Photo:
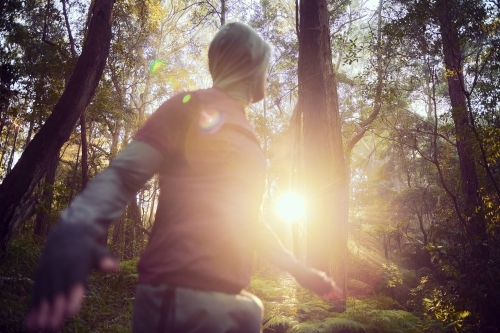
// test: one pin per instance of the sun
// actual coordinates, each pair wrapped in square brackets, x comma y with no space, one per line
[290,207]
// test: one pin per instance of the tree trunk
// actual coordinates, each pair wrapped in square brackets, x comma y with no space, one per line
[73,180]
[43,214]
[19,184]
[325,169]
[13,150]
[117,237]
[30,133]
[473,212]
[85,151]
[222,12]
[476,227]
[132,221]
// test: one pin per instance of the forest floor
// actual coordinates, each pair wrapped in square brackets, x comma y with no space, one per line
[288,308]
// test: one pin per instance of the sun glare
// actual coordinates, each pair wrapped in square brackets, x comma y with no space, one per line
[290,207]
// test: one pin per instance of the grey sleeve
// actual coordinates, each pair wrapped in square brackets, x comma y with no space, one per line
[270,247]
[105,197]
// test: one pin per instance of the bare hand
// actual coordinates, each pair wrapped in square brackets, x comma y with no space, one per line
[51,315]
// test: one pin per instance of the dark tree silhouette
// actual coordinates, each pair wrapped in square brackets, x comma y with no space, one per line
[17,187]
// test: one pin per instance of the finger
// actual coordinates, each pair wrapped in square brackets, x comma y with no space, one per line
[75,300]
[43,314]
[109,264]
[56,317]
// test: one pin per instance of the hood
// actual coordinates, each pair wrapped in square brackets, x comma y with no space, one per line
[238,59]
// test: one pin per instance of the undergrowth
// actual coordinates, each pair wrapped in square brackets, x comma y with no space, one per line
[107,306]
[288,308]
[291,309]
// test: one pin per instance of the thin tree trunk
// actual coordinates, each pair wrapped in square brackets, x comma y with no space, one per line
[131,223]
[4,145]
[17,187]
[73,182]
[42,217]
[153,200]
[13,150]
[85,151]
[222,12]
[117,237]
[30,133]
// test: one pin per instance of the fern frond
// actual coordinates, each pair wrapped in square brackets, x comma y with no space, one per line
[342,325]
[357,285]
[279,323]
[330,325]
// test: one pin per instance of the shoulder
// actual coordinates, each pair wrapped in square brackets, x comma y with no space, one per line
[180,101]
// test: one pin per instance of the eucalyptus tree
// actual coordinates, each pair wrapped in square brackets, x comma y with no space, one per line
[324,162]
[326,153]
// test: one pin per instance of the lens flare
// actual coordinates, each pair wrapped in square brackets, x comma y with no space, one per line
[290,207]
[156,66]
[210,121]
[186,98]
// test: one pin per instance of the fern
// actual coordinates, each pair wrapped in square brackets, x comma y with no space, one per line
[305,328]
[278,323]
[390,321]
[314,309]
[358,285]
[340,325]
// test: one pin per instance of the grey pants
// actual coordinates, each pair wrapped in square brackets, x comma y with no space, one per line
[163,309]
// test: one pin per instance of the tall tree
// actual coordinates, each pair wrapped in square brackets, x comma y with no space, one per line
[17,187]
[325,167]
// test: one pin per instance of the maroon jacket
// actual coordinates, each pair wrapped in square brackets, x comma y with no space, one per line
[207,224]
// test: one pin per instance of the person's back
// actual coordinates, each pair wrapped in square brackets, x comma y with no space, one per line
[207,227]
[210,193]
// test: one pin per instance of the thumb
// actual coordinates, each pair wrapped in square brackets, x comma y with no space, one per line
[109,264]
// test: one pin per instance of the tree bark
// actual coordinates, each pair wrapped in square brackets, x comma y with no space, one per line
[85,150]
[42,216]
[476,226]
[325,167]
[222,12]
[13,150]
[132,221]
[19,184]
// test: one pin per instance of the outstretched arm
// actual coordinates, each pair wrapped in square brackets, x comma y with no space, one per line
[270,247]
[108,193]
[72,249]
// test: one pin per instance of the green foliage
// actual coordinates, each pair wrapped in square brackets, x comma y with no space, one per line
[393,275]
[279,323]
[16,272]
[291,309]
[107,306]
[340,325]
[357,285]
